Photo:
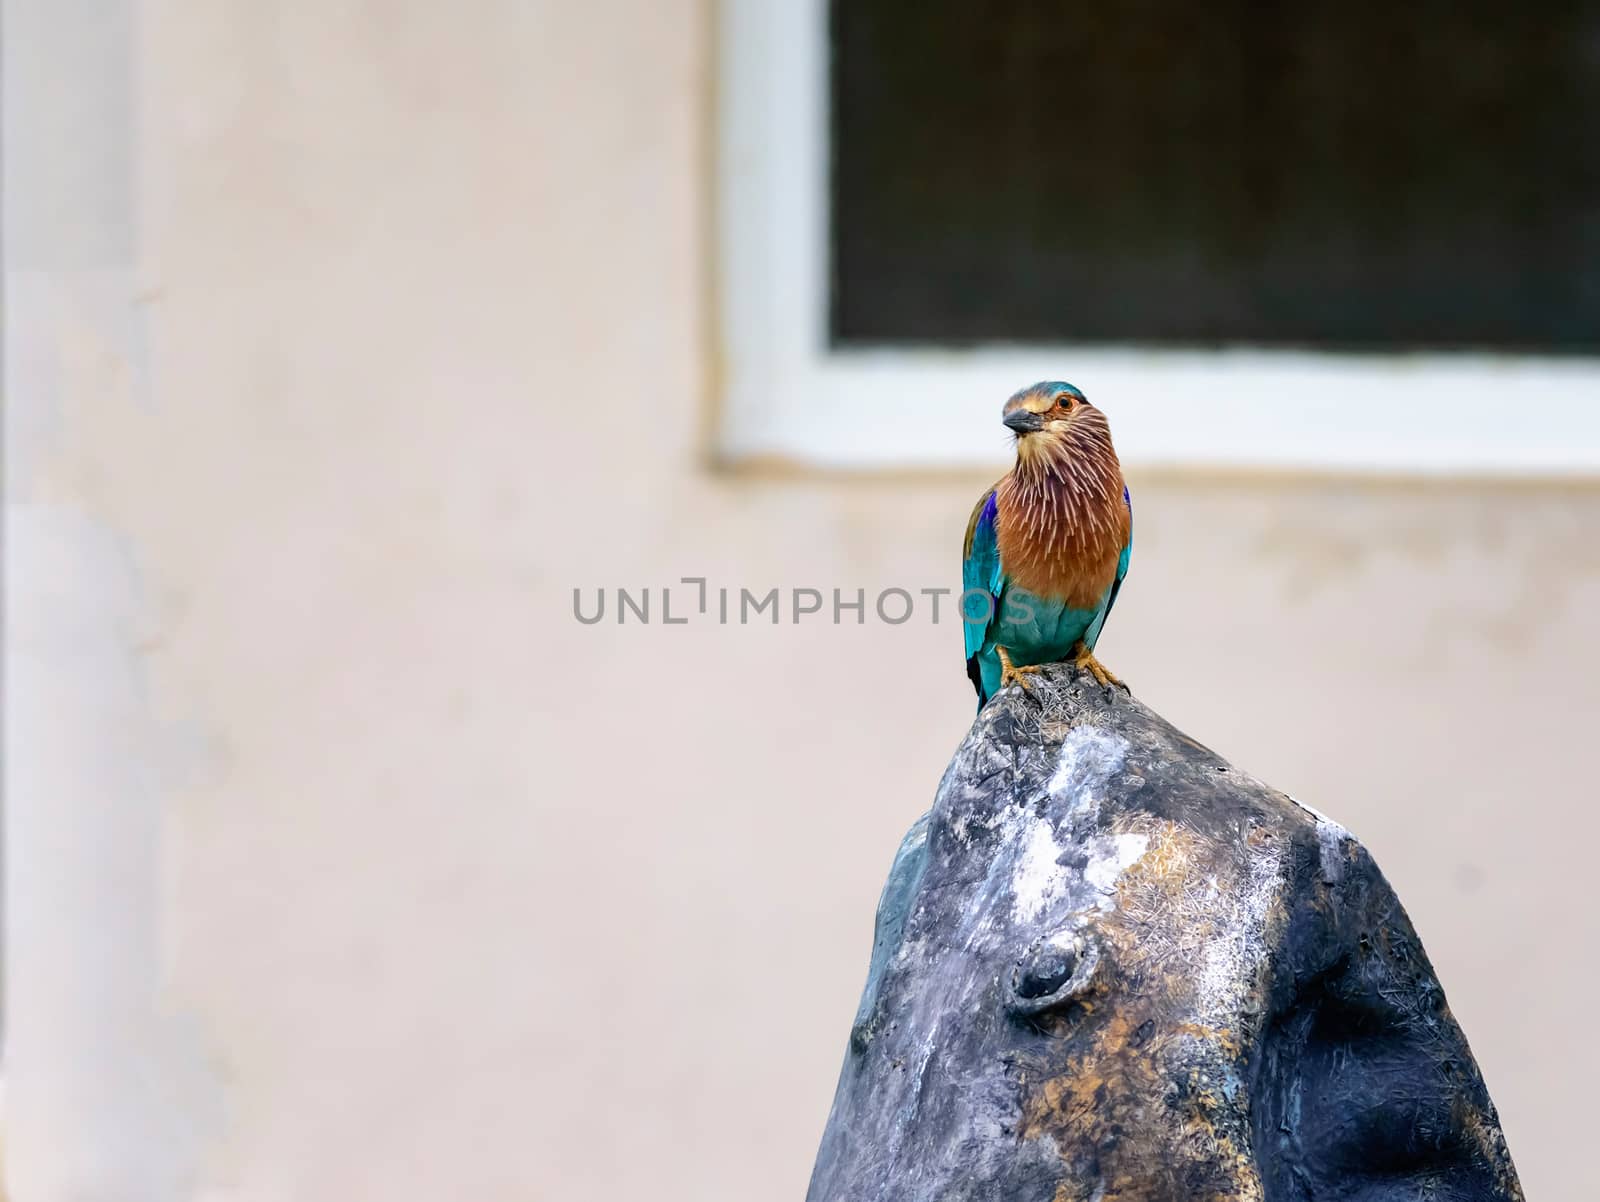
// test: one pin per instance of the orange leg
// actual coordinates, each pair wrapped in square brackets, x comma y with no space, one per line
[1011,673]
[1085,660]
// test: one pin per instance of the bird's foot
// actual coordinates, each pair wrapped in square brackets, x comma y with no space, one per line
[1017,674]
[1086,662]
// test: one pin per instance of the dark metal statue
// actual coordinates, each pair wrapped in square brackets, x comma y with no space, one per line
[1110,967]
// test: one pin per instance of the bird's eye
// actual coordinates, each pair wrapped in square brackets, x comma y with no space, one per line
[1064,401]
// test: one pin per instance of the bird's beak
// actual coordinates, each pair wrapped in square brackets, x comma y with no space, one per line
[1023,421]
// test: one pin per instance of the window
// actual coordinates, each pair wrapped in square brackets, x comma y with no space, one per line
[1343,236]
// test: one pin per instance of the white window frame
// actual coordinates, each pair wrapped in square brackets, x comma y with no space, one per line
[788,395]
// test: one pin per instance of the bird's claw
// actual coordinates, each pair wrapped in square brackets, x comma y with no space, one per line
[1086,662]
[1019,676]
[1016,674]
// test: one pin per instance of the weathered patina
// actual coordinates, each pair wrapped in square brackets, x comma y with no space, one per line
[1110,967]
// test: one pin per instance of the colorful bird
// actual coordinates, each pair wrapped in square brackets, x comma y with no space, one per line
[1048,546]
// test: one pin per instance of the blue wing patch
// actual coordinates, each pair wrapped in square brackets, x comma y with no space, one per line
[980,574]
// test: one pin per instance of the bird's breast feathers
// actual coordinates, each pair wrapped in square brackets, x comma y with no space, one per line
[1061,536]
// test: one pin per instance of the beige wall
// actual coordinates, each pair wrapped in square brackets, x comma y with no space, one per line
[343,863]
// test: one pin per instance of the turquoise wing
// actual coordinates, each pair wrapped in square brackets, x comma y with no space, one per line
[1092,635]
[982,582]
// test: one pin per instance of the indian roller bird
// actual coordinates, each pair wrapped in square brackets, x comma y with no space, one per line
[1048,546]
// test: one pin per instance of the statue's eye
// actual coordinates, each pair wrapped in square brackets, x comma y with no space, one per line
[1046,975]
[1053,974]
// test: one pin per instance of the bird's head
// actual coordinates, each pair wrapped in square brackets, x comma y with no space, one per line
[1051,420]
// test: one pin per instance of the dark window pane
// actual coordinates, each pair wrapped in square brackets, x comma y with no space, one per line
[1348,174]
